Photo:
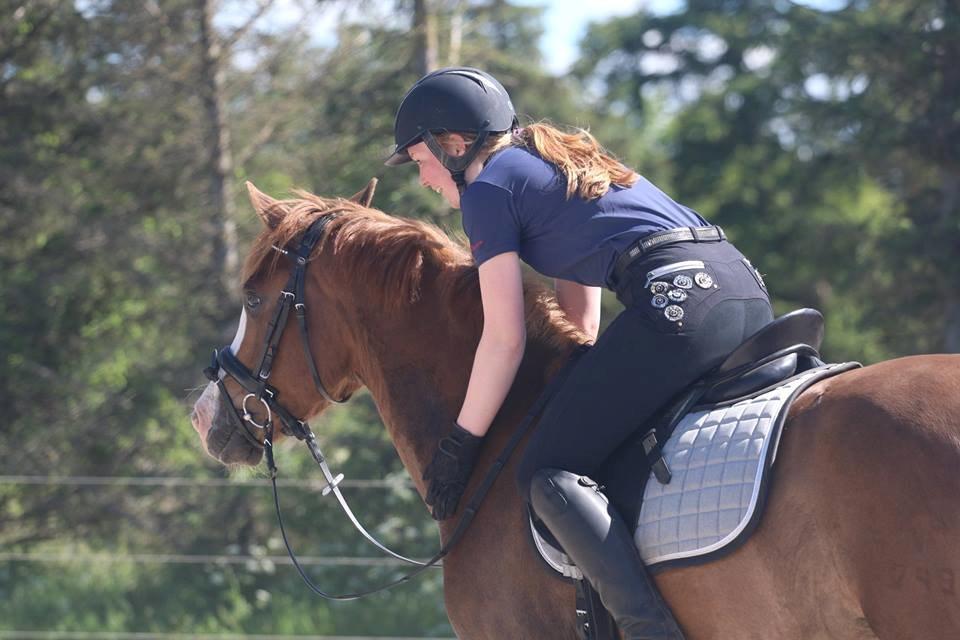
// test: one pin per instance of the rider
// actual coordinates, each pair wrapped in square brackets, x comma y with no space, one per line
[559,202]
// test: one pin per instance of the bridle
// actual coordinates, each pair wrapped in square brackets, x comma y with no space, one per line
[255,384]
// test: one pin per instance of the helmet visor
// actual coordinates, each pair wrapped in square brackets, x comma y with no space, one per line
[400,156]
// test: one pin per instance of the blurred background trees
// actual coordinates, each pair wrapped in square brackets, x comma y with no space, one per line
[823,137]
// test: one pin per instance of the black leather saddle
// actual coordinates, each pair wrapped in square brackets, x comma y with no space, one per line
[787,346]
[770,355]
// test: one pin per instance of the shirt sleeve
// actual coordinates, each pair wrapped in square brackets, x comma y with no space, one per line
[490,220]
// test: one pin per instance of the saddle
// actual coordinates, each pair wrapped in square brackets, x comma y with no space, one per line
[709,450]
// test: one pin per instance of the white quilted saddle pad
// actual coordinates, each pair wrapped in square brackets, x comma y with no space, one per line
[717,458]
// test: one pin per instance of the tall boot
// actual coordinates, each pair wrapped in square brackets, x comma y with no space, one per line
[598,541]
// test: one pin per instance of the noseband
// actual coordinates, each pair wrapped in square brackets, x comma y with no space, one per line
[255,383]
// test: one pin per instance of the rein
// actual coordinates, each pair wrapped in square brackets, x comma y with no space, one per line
[469,511]
[255,384]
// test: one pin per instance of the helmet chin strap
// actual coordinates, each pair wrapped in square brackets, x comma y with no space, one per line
[456,165]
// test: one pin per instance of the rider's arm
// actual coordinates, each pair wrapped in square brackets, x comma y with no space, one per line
[501,344]
[581,304]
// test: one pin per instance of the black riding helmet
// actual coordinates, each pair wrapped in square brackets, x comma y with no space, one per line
[461,99]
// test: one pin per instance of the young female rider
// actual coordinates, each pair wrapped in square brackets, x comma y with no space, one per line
[563,205]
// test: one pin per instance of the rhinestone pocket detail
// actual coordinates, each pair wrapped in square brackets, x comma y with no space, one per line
[677,295]
[673,313]
[659,287]
[703,280]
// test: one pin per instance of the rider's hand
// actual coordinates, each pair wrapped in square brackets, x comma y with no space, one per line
[448,472]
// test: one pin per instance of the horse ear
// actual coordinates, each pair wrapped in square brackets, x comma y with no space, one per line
[365,196]
[269,210]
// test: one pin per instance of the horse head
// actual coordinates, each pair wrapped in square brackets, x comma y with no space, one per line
[391,303]
[328,358]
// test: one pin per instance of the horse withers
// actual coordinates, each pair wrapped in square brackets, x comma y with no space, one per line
[860,534]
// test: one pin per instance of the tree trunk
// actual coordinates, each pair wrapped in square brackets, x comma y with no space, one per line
[456,34]
[950,207]
[220,161]
[425,37]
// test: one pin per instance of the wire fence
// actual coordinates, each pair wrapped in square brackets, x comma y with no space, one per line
[173,558]
[164,481]
[149,635]
[190,559]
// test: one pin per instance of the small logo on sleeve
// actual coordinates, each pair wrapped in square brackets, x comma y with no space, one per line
[476,245]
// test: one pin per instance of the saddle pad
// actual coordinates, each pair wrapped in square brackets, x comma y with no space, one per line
[718,457]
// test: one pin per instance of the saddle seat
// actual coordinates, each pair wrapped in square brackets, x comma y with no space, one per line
[768,356]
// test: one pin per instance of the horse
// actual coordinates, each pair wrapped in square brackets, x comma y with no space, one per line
[861,534]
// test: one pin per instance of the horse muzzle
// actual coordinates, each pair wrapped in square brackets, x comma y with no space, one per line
[224,440]
[217,425]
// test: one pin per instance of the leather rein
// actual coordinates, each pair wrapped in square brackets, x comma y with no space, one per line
[255,384]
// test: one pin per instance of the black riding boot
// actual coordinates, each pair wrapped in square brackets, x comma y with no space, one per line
[600,544]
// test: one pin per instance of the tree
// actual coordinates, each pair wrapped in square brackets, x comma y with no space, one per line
[114,123]
[820,139]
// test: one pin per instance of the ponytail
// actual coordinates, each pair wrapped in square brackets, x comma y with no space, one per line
[588,167]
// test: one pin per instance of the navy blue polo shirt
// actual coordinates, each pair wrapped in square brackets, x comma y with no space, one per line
[518,203]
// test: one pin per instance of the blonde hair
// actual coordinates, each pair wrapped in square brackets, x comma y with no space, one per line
[588,167]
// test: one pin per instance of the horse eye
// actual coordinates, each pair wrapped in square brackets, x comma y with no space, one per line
[251,300]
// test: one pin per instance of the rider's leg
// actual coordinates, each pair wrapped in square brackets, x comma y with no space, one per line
[600,544]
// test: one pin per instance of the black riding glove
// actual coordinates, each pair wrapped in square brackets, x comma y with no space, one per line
[448,472]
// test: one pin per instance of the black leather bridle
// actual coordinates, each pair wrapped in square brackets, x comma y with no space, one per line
[292,296]
[255,384]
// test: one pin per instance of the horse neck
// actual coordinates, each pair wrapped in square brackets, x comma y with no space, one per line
[416,364]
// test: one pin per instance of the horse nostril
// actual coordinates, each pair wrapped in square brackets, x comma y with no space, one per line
[198,425]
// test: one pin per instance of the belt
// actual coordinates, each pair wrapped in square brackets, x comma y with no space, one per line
[669,236]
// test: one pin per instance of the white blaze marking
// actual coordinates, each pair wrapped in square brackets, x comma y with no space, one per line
[206,405]
[238,339]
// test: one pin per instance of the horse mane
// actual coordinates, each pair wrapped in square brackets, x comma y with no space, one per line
[391,255]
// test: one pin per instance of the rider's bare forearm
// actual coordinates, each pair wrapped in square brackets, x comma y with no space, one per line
[494,368]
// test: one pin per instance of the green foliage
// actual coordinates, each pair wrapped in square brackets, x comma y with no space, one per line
[824,142]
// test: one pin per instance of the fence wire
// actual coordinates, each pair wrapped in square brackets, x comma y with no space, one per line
[162,481]
[148,635]
[173,558]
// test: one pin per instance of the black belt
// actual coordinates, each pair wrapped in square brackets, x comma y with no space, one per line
[646,243]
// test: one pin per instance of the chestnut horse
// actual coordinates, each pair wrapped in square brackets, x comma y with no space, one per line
[861,535]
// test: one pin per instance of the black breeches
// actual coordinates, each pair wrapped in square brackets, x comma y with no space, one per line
[647,355]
